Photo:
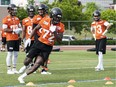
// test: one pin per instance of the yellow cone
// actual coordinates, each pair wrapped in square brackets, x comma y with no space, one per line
[70,86]
[30,84]
[109,82]
[71,81]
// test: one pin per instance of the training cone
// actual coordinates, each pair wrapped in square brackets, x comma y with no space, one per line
[107,78]
[71,81]
[70,86]
[109,82]
[30,84]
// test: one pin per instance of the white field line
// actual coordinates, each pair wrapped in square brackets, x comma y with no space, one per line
[45,84]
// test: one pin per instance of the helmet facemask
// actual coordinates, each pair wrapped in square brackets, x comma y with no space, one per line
[96,18]
[41,12]
[96,15]
[13,11]
[56,19]
[31,13]
[41,9]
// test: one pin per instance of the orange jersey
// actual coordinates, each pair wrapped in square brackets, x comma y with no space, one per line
[12,23]
[28,23]
[46,36]
[37,19]
[99,28]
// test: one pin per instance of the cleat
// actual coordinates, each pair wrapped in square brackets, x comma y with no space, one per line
[45,72]
[99,69]
[34,72]
[15,71]
[10,72]
[21,80]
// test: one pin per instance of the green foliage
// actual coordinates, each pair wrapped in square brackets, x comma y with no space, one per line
[71,12]
[22,13]
[30,2]
[90,8]
[110,15]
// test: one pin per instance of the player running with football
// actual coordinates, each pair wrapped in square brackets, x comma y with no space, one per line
[42,13]
[99,29]
[52,29]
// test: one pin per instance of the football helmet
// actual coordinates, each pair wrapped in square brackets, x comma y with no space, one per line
[41,9]
[12,9]
[46,9]
[96,15]
[31,10]
[56,15]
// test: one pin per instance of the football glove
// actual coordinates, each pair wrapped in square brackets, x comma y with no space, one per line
[28,42]
[94,36]
[52,28]
[17,31]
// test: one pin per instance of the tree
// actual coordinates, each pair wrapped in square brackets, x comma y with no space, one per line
[71,12]
[110,15]
[30,2]
[22,13]
[90,8]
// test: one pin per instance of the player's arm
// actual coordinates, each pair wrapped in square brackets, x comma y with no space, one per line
[28,41]
[34,30]
[23,32]
[6,29]
[108,25]
[58,36]
[93,32]
[34,25]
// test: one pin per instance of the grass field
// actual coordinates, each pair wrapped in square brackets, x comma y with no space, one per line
[67,65]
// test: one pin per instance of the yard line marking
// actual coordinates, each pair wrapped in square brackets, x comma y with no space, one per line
[78,81]
[80,68]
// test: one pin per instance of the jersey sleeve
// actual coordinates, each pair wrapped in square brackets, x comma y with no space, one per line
[4,21]
[62,28]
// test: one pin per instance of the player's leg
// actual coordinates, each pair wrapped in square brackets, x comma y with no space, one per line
[37,63]
[9,57]
[14,61]
[45,68]
[23,68]
[101,50]
[97,52]
[32,54]
[15,56]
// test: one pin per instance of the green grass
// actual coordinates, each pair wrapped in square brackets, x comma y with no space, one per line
[66,65]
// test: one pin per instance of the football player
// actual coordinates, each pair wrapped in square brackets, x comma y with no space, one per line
[99,28]
[12,27]
[27,30]
[42,13]
[52,30]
